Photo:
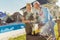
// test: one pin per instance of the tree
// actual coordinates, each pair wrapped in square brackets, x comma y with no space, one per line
[17,16]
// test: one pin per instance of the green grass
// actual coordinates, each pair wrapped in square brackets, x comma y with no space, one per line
[22,37]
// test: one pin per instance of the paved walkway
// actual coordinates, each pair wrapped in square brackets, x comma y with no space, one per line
[30,37]
[15,33]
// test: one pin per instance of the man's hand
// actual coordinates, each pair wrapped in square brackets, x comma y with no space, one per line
[27,21]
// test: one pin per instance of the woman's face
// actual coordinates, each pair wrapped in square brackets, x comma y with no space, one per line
[28,7]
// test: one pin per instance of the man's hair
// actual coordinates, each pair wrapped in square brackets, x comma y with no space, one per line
[36,2]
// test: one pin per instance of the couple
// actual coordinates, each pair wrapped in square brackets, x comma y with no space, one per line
[38,15]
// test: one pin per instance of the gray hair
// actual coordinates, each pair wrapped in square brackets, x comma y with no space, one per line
[36,2]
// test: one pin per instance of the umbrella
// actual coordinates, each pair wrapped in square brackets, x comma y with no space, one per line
[2,14]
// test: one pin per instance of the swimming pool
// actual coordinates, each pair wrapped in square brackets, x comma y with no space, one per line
[11,27]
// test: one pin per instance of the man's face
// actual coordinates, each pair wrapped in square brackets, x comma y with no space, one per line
[36,5]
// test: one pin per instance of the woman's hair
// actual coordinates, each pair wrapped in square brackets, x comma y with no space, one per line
[28,4]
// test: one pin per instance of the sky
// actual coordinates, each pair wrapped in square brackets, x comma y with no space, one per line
[58,3]
[15,5]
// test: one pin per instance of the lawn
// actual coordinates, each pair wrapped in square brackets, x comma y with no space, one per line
[22,37]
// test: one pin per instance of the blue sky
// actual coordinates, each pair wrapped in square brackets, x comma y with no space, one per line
[14,5]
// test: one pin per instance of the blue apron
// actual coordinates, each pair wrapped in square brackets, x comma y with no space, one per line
[46,14]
